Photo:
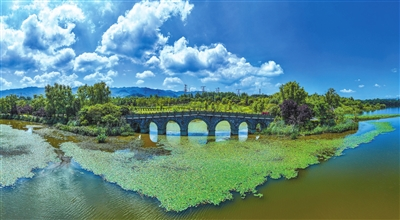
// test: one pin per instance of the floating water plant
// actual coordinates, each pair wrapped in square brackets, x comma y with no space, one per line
[200,174]
[20,153]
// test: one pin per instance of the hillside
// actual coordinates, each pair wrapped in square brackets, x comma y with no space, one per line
[115,92]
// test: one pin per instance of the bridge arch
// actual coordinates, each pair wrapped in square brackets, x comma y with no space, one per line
[223,125]
[191,126]
[170,126]
[145,126]
[244,123]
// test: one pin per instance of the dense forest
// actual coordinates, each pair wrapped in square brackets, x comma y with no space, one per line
[389,103]
[94,106]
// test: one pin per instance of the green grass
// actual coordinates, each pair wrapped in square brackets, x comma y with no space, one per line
[373,117]
[194,174]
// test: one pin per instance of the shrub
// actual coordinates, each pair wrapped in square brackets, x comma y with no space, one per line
[279,128]
[127,133]
[101,138]
[114,132]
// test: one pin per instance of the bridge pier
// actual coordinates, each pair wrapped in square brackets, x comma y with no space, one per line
[251,131]
[162,131]
[211,132]
[144,130]
[184,132]
[251,128]
[234,130]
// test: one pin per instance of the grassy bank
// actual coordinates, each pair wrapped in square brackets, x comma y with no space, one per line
[194,174]
[63,124]
[350,123]
[280,129]
[372,117]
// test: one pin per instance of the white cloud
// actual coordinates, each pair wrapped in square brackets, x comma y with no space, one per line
[172,82]
[4,82]
[278,85]
[39,80]
[105,77]
[27,81]
[212,63]
[63,57]
[42,40]
[51,28]
[19,73]
[153,61]
[139,82]
[377,85]
[145,74]
[358,80]
[70,80]
[270,69]
[106,7]
[361,86]
[253,84]
[88,62]
[137,34]
[394,70]
[347,91]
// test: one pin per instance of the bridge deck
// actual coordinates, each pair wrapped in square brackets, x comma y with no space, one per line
[198,113]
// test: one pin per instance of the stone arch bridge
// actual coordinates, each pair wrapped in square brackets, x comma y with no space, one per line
[141,122]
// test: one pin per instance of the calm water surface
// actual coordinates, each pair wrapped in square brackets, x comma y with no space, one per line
[361,184]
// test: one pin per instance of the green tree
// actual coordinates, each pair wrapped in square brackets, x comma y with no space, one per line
[332,98]
[100,114]
[99,93]
[9,105]
[38,101]
[59,100]
[293,91]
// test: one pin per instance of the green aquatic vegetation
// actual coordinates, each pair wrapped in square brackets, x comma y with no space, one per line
[196,174]
[355,140]
[20,153]
[373,117]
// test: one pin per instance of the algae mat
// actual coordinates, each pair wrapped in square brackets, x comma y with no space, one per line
[21,153]
[201,174]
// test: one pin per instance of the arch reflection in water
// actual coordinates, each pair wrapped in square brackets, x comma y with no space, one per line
[153,132]
[173,133]
[222,131]
[198,132]
[243,131]
[173,129]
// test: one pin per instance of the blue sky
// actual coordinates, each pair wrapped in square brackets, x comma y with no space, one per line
[351,46]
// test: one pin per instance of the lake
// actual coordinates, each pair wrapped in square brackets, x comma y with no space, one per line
[361,184]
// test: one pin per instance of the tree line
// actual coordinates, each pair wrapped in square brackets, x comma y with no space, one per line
[93,105]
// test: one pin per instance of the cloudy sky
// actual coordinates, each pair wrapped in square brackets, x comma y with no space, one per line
[352,47]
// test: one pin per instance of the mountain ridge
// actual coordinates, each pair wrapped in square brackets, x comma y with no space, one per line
[115,92]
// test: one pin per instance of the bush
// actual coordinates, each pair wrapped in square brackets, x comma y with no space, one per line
[127,133]
[101,138]
[279,128]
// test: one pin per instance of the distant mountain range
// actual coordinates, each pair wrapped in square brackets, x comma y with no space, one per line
[115,92]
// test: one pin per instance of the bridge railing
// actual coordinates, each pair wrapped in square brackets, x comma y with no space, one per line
[198,113]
